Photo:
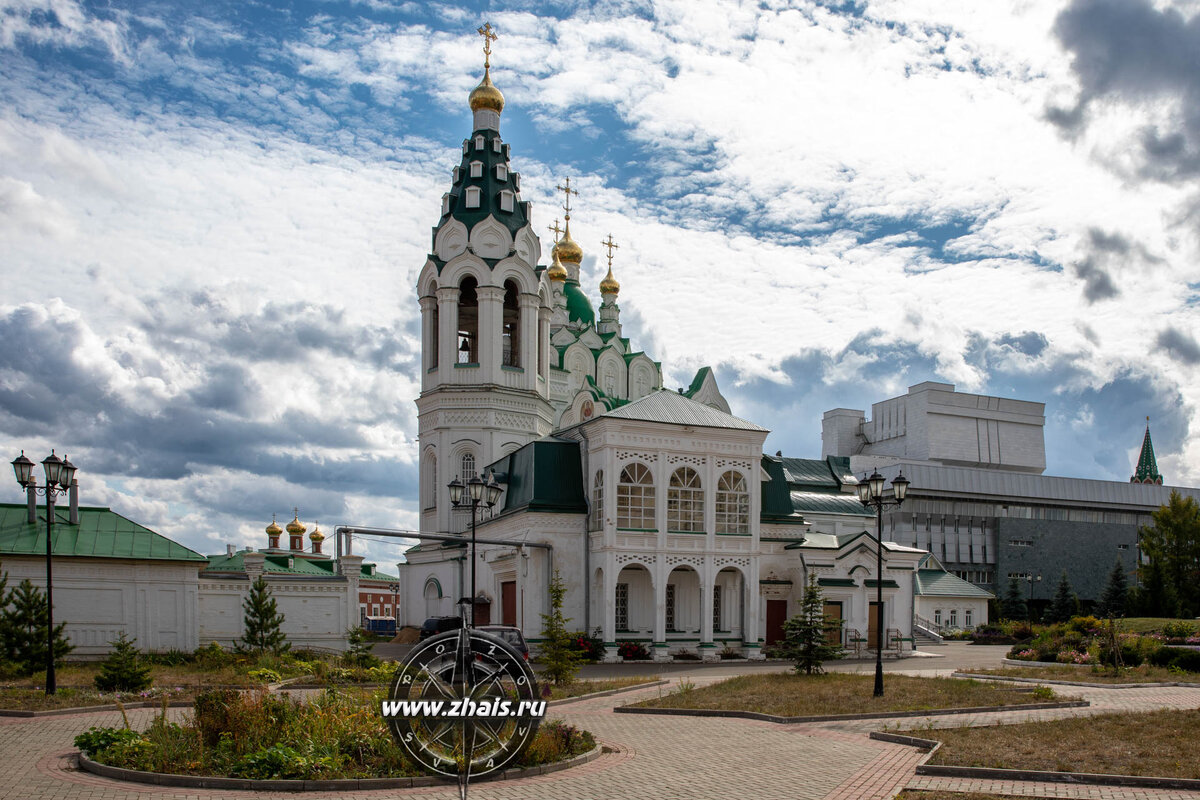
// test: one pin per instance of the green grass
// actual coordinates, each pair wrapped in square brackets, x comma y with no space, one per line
[1158,743]
[792,695]
[1144,624]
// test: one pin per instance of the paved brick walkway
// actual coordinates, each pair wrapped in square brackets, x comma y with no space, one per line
[655,757]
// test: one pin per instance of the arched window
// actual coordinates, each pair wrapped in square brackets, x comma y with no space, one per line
[435,337]
[635,498]
[468,467]
[433,598]
[468,321]
[596,518]
[432,491]
[685,501]
[733,504]
[511,353]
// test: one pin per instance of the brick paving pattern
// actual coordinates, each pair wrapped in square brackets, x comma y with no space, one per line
[654,757]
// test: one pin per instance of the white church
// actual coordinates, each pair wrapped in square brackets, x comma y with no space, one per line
[658,508]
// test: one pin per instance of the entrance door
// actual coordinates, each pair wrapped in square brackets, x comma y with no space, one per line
[508,603]
[873,625]
[483,612]
[833,618]
[776,616]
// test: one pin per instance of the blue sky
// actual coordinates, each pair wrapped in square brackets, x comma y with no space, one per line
[213,216]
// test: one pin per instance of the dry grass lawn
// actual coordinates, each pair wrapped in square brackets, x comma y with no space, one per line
[791,695]
[1159,743]
[29,699]
[1141,674]
[579,688]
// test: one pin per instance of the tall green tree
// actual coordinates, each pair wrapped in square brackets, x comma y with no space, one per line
[1013,605]
[1065,602]
[1173,543]
[558,655]
[1116,593]
[25,623]
[262,621]
[806,635]
[1155,597]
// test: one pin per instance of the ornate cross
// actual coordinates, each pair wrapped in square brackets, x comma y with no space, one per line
[557,230]
[489,36]
[611,245]
[568,191]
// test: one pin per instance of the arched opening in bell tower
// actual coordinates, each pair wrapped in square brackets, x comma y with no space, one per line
[511,327]
[468,321]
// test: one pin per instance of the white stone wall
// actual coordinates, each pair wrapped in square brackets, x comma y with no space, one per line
[954,611]
[316,612]
[99,598]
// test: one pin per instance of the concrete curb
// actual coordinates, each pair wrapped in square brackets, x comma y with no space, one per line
[1096,778]
[936,712]
[1016,679]
[344,784]
[58,712]
[605,693]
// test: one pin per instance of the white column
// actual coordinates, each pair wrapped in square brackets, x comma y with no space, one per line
[530,328]
[491,320]
[447,300]
[543,363]
[659,575]
[428,356]
[609,624]
[708,579]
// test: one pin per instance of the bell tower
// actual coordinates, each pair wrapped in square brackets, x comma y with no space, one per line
[485,317]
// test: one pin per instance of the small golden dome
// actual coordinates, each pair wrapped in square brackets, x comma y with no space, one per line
[568,249]
[273,529]
[296,526]
[486,95]
[557,271]
[609,285]
[316,534]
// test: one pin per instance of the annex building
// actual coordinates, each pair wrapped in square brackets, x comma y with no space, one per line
[658,508]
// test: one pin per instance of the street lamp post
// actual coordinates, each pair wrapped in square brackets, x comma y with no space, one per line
[60,473]
[1029,606]
[395,587]
[476,492]
[870,494]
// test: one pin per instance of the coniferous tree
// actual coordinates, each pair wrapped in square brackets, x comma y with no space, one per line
[1116,593]
[122,670]
[806,640]
[1065,602]
[1013,606]
[24,626]
[6,635]
[262,621]
[557,653]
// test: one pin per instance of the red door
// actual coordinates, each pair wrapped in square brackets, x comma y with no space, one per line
[776,616]
[508,603]
[483,613]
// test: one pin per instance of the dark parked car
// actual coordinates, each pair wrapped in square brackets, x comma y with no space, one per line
[436,625]
[509,634]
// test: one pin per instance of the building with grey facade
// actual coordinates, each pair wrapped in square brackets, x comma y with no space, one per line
[978,499]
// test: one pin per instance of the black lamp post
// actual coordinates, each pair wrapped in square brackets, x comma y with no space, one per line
[60,473]
[870,493]
[395,588]
[477,491]
[1029,576]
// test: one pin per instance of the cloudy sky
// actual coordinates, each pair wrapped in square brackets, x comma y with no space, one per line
[212,216]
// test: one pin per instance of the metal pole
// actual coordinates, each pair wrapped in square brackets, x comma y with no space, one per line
[51,683]
[474,505]
[879,598]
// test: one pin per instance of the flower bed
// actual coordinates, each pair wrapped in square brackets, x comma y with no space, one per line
[1085,641]
[338,734]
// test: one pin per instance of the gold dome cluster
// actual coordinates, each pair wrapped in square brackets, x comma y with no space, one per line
[567,249]
[296,527]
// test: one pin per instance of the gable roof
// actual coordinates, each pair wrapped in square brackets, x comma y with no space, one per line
[939,583]
[678,409]
[101,533]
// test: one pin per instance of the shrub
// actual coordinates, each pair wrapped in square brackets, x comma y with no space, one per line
[97,740]
[1177,657]
[685,655]
[122,670]
[728,652]
[169,658]
[632,651]
[1178,629]
[359,653]
[590,648]
[212,656]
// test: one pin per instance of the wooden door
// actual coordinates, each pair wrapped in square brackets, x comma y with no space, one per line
[833,616]
[873,625]
[776,616]
[483,612]
[508,603]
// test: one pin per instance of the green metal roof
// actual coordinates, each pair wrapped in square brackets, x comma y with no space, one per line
[490,187]
[579,307]
[675,408]
[776,496]
[799,486]
[697,382]
[1147,466]
[285,563]
[939,583]
[544,475]
[101,533]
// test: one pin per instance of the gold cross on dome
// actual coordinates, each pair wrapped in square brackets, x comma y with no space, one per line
[568,191]
[557,230]
[489,36]
[611,245]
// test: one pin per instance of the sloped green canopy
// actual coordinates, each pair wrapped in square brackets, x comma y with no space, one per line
[101,533]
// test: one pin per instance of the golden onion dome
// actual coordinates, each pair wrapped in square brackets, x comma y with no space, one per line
[316,534]
[273,529]
[557,271]
[609,285]
[568,249]
[296,526]
[486,95]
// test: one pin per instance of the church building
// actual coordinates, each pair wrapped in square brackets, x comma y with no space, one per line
[658,508]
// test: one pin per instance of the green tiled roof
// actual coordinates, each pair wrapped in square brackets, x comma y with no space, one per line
[939,583]
[800,486]
[101,533]
[544,475]
[776,496]
[1147,466]
[490,187]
